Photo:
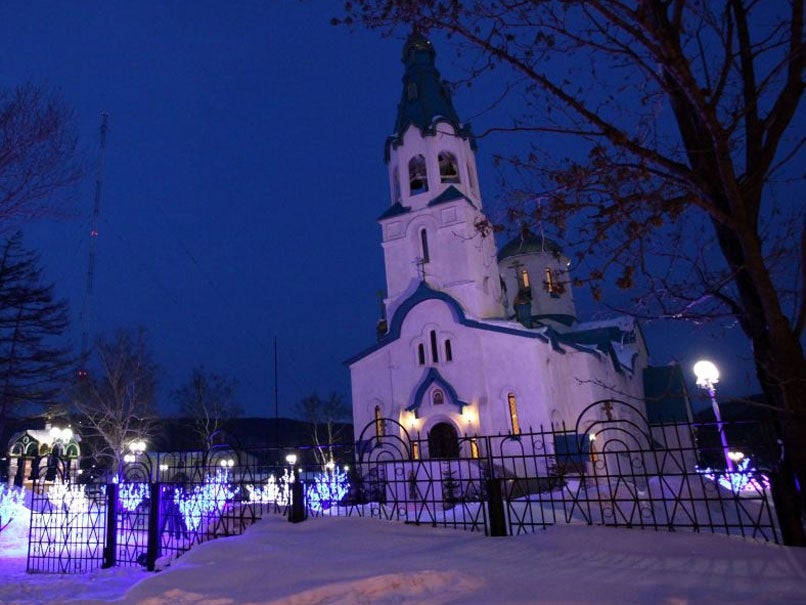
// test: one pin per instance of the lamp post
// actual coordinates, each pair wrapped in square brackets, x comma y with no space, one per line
[59,440]
[707,377]
[291,460]
[296,511]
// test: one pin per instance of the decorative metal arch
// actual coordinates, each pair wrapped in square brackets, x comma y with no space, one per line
[372,447]
[633,427]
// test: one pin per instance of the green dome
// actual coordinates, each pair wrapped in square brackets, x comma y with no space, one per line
[527,243]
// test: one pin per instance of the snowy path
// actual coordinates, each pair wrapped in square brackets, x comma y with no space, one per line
[351,560]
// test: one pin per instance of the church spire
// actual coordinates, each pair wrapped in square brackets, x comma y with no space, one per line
[425,99]
[429,232]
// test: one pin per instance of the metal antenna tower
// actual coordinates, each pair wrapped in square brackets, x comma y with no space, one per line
[96,211]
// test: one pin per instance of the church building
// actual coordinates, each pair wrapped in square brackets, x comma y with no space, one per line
[474,339]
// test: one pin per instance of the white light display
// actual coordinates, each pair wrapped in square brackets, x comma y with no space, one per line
[742,479]
[327,489]
[12,500]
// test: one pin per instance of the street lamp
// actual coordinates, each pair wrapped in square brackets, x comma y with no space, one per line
[135,449]
[707,377]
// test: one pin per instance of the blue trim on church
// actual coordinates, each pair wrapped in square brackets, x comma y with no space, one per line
[425,292]
[451,194]
[433,377]
[602,339]
[396,210]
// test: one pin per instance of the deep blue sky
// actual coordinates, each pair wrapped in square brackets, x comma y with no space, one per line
[244,173]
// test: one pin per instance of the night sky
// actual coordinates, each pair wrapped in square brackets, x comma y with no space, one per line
[243,176]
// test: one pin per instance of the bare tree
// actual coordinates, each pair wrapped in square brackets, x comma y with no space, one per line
[327,418]
[38,153]
[681,113]
[116,401]
[208,399]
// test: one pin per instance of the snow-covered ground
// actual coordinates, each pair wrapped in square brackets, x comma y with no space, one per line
[362,560]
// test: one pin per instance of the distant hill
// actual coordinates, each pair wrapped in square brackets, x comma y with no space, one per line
[752,407]
[176,434]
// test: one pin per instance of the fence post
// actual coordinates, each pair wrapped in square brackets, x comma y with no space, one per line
[495,507]
[154,506]
[296,512]
[110,545]
[785,498]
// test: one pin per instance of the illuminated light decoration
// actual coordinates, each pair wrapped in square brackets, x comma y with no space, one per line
[12,504]
[327,489]
[205,500]
[68,498]
[743,479]
[131,495]
[273,492]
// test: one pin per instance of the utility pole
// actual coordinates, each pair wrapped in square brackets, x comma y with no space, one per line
[276,400]
[96,211]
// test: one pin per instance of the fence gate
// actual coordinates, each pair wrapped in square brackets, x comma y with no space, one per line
[399,482]
[67,522]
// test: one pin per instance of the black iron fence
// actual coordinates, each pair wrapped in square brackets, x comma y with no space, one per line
[612,470]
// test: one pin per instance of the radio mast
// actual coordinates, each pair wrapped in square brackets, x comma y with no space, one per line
[96,211]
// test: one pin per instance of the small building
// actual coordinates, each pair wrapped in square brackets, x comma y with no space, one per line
[51,450]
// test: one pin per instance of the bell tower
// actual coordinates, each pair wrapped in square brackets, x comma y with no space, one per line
[434,229]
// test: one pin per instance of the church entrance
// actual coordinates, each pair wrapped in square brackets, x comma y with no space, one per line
[443,441]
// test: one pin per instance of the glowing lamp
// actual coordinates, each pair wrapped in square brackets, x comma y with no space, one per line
[736,456]
[291,459]
[137,447]
[707,374]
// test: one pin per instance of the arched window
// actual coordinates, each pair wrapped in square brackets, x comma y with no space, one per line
[434,352]
[470,178]
[448,351]
[525,283]
[474,448]
[513,414]
[418,176]
[437,397]
[448,168]
[424,246]
[550,287]
[556,420]
[379,428]
[421,354]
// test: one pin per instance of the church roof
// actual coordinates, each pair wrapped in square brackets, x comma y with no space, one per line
[612,337]
[395,210]
[425,100]
[425,292]
[608,338]
[451,194]
[527,242]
